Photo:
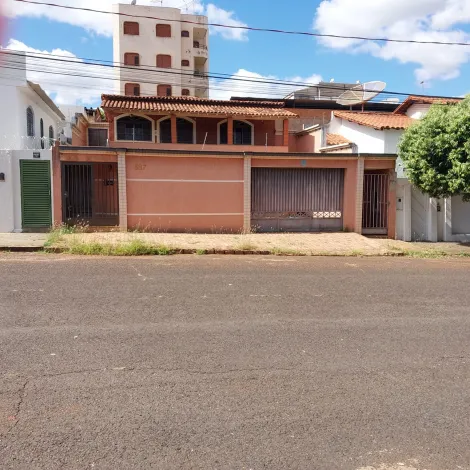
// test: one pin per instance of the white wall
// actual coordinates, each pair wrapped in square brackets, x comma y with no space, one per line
[6,193]
[28,97]
[368,140]
[10,191]
[148,45]
[418,111]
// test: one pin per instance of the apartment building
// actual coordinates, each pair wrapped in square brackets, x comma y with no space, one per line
[162,52]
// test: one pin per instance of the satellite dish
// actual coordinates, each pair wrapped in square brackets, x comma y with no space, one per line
[361,93]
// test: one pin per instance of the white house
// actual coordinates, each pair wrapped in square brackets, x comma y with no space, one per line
[419,217]
[30,123]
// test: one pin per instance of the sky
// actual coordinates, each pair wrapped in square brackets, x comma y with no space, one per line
[406,68]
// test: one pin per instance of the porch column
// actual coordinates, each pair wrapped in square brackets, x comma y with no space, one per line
[174,130]
[56,185]
[285,133]
[359,194]
[230,130]
[111,134]
[247,194]
[122,191]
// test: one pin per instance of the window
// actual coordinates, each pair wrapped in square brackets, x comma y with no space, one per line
[164,90]
[132,89]
[30,122]
[242,133]
[165,131]
[51,136]
[184,131]
[164,61]
[185,63]
[185,34]
[131,27]
[41,130]
[134,128]
[163,30]
[185,92]
[131,58]
[97,137]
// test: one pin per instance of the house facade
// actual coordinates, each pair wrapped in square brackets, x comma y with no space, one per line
[164,57]
[419,217]
[29,131]
[191,164]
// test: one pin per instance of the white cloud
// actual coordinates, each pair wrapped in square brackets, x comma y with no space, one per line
[220,16]
[66,82]
[225,89]
[421,20]
[102,24]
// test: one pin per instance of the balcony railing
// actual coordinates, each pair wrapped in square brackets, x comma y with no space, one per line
[198,45]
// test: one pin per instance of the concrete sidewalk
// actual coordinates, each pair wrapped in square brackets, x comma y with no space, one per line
[276,243]
[327,244]
[22,241]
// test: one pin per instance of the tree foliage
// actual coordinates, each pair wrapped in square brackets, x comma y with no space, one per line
[436,151]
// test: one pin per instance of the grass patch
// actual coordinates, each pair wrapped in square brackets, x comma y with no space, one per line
[57,232]
[286,252]
[132,248]
[200,251]
[246,246]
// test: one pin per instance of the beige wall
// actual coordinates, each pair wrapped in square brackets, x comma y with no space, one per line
[184,194]
[148,45]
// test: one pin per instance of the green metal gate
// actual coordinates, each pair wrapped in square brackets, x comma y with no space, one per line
[35,194]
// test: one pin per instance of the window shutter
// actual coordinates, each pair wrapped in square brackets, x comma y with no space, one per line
[164,90]
[131,27]
[163,30]
[131,58]
[164,61]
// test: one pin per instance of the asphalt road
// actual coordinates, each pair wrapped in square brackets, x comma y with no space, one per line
[234,363]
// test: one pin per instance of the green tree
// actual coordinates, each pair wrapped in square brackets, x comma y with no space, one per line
[436,151]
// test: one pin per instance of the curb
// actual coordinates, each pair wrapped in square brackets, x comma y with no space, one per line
[22,249]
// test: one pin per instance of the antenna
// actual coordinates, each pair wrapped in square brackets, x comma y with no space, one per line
[359,94]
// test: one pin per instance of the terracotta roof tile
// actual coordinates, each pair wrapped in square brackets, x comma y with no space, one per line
[194,106]
[336,139]
[379,121]
[411,100]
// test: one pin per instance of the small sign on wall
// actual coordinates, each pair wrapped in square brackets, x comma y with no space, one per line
[36,154]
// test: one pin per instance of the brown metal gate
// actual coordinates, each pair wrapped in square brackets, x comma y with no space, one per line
[297,199]
[375,204]
[90,193]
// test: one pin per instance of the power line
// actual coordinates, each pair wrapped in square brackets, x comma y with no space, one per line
[250,28]
[257,90]
[214,75]
[137,70]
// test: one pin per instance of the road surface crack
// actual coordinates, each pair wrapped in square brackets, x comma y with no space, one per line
[18,408]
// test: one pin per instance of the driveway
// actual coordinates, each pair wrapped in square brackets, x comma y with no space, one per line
[191,362]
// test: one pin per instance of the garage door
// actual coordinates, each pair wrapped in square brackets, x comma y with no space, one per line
[297,199]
